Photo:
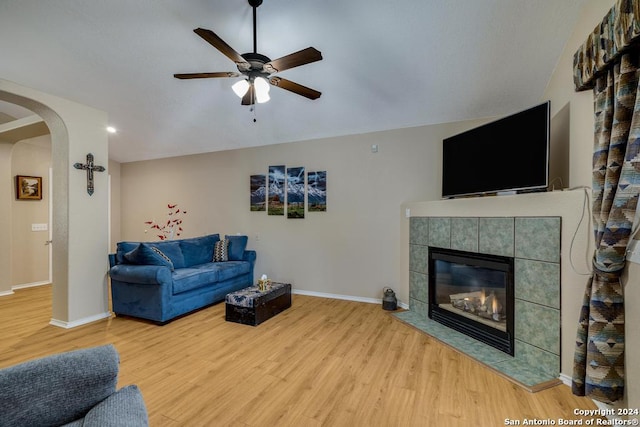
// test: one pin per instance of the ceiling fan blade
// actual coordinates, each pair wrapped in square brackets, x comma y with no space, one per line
[206,75]
[223,47]
[249,97]
[295,87]
[302,57]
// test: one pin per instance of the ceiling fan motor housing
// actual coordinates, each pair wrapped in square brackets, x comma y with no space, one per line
[257,68]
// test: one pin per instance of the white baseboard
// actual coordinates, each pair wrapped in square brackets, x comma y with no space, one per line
[22,286]
[30,285]
[79,322]
[344,297]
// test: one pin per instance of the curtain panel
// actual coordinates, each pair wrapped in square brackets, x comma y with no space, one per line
[609,63]
[618,32]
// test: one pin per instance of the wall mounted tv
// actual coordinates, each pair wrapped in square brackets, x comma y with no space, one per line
[507,155]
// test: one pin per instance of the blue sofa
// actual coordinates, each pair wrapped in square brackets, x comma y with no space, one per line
[160,281]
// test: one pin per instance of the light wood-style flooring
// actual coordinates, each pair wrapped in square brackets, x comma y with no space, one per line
[323,362]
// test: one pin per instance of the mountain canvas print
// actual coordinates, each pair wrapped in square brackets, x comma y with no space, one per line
[295,192]
[276,190]
[258,193]
[317,191]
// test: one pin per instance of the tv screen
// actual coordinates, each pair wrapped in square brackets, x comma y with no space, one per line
[510,154]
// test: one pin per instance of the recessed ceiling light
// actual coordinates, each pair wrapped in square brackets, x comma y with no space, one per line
[111,129]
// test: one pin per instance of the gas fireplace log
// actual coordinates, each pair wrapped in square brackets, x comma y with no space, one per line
[477,303]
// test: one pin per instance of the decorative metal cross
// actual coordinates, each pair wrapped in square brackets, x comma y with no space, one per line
[90,168]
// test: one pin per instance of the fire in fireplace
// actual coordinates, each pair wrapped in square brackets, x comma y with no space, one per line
[473,294]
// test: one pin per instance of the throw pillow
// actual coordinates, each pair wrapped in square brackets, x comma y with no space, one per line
[145,254]
[237,245]
[221,251]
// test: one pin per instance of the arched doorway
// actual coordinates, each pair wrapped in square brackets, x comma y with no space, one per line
[80,220]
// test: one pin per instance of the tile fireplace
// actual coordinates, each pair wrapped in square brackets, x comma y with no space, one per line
[525,251]
[473,294]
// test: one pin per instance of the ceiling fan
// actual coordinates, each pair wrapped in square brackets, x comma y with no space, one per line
[257,68]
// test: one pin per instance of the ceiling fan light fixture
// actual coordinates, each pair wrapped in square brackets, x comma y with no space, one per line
[262,90]
[241,87]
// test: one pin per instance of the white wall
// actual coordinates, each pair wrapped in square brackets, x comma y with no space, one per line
[6,188]
[30,256]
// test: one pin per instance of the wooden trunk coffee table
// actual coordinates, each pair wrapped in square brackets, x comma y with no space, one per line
[251,306]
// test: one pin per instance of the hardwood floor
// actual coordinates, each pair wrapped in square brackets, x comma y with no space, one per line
[323,362]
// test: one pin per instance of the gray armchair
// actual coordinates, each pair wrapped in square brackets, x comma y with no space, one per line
[77,388]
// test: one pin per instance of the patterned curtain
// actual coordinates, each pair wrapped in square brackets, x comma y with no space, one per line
[609,63]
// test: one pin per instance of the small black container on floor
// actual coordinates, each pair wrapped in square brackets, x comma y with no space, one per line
[389,300]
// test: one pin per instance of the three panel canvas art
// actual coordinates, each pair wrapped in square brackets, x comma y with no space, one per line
[285,190]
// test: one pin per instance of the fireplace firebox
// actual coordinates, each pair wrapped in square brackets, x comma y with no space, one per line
[473,294]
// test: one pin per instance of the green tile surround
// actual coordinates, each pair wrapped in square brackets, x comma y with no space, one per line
[534,242]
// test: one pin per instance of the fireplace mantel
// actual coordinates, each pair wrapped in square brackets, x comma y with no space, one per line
[448,217]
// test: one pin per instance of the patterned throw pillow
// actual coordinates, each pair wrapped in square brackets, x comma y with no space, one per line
[145,254]
[221,251]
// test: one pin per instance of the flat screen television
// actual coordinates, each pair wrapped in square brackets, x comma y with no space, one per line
[508,155]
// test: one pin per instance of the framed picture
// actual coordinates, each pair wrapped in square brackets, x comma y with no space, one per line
[28,187]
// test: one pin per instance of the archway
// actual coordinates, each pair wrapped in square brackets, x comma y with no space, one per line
[80,220]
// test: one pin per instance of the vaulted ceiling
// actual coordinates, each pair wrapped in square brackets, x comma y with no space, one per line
[387,65]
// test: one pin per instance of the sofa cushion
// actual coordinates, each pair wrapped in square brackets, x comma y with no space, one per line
[232,269]
[172,250]
[221,251]
[145,254]
[186,279]
[124,407]
[198,250]
[237,246]
[122,249]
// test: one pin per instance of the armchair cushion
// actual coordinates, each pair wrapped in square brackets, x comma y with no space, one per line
[57,389]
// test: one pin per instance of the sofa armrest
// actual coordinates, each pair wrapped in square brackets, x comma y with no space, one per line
[57,389]
[124,407]
[142,274]
[249,256]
